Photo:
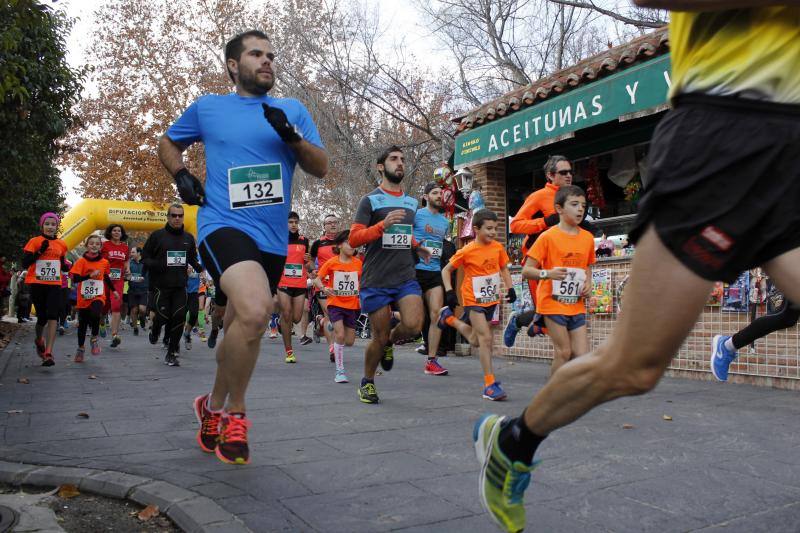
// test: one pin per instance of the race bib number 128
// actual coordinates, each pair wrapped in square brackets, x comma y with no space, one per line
[397,237]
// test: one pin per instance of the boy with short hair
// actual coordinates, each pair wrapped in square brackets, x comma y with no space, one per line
[560,259]
[341,275]
[485,262]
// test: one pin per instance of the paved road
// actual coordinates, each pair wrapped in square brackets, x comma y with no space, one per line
[322,461]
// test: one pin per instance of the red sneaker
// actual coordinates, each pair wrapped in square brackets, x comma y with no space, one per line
[95,346]
[433,368]
[208,434]
[47,359]
[232,443]
[40,347]
[79,355]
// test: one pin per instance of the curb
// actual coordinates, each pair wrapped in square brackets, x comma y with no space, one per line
[189,510]
[5,353]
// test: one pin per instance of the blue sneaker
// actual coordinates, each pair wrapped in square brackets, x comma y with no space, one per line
[501,482]
[103,330]
[444,313]
[510,334]
[721,357]
[494,392]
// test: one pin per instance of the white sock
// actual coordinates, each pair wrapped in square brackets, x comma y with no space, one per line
[729,345]
[338,355]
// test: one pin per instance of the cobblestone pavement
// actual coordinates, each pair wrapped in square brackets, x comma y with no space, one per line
[728,460]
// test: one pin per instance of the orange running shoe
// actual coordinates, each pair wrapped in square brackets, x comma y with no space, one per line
[208,434]
[232,443]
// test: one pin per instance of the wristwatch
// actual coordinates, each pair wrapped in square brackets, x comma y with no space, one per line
[543,274]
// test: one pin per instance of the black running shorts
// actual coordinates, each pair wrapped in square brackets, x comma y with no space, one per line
[724,184]
[226,247]
[429,279]
[293,291]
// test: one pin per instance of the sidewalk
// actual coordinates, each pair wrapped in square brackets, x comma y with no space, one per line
[322,461]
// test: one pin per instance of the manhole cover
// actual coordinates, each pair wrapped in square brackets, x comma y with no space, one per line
[8,518]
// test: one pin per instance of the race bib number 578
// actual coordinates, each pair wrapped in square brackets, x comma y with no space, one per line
[255,185]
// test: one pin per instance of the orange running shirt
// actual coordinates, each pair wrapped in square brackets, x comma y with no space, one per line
[95,288]
[482,264]
[344,279]
[556,248]
[46,270]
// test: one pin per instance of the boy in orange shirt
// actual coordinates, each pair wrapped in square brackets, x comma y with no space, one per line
[485,262]
[92,275]
[560,260]
[342,274]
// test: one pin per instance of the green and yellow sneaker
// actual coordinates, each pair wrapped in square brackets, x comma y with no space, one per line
[387,361]
[502,483]
[368,393]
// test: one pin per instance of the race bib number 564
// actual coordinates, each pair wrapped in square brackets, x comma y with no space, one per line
[486,289]
[255,185]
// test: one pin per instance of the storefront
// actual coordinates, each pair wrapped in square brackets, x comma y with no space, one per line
[601,114]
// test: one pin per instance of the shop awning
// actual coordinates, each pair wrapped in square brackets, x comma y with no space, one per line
[636,91]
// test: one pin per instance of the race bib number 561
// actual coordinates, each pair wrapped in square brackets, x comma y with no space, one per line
[255,185]
[569,289]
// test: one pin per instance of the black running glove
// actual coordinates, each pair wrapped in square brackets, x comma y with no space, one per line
[44,246]
[451,299]
[511,295]
[277,119]
[552,220]
[190,188]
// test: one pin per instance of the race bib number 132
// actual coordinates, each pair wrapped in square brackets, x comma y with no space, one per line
[255,185]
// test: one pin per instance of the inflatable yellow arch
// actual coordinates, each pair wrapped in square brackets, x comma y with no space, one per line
[90,215]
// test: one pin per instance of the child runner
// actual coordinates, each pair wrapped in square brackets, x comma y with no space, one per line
[343,273]
[92,275]
[116,251]
[485,262]
[560,260]
[45,257]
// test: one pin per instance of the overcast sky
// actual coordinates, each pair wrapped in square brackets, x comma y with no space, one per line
[403,17]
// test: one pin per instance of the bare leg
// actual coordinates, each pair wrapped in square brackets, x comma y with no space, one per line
[250,305]
[52,328]
[483,332]
[634,357]
[562,347]
[434,299]
[379,322]
[411,318]
[785,271]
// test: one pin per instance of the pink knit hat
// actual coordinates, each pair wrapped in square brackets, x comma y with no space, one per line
[49,215]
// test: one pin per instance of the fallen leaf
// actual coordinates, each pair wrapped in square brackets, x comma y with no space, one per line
[627,426]
[24,381]
[68,491]
[92,376]
[667,418]
[83,415]
[148,512]
[15,412]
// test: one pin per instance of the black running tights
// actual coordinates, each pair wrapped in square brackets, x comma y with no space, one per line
[785,317]
[170,306]
[89,317]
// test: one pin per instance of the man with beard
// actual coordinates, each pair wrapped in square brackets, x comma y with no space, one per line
[253,142]
[430,228]
[384,221]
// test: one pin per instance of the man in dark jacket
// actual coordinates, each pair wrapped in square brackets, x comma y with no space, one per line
[166,254]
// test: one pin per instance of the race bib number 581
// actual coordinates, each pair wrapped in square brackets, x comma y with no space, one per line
[255,185]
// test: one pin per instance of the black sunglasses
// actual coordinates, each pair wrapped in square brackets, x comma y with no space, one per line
[176,215]
[563,172]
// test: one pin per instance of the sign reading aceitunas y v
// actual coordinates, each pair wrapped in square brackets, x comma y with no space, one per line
[639,88]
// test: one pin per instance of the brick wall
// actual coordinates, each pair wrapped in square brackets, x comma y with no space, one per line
[491,178]
[774,362]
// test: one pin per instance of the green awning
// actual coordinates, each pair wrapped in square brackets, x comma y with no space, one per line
[633,92]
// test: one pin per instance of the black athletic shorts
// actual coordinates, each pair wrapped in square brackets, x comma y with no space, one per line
[293,291]
[226,247]
[137,298]
[47,300]
[724,184]
[428,280]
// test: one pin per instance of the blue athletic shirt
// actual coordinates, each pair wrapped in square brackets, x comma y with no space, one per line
[429,230]
[236,134]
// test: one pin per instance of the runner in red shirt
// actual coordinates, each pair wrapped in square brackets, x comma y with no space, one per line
[292,287]
[321,252]
[118,255]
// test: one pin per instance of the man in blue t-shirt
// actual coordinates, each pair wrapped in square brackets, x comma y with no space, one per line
[430,228]
[252,143]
